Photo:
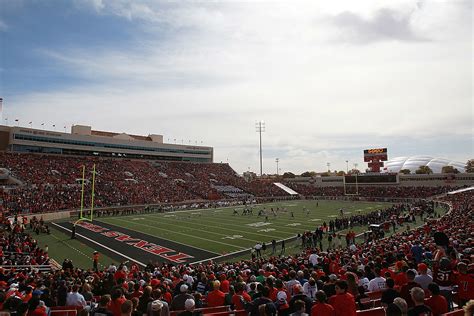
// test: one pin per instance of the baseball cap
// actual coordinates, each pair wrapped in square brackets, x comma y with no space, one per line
[156,305]
[281,296]
[422,267]
[189,303]
[332,277]
[297,289]
[183,288]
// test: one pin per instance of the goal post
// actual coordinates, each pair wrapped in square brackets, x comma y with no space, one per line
[82,216]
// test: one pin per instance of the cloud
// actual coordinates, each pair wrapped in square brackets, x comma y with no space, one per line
[385,24]
[207,71]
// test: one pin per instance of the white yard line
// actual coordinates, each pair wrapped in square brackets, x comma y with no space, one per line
[173,241]
[226,224]
[187,235]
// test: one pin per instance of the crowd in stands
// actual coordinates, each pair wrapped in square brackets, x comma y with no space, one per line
[53,182]
[370,191]
[410,273]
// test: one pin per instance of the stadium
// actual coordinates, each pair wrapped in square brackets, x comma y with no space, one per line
[135,204]
[236,158]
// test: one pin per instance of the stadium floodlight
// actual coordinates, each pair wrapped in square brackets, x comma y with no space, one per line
[347,166]
[329,166]
[277,160]
[260,127]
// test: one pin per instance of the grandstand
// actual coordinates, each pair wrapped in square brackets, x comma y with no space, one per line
[41,177]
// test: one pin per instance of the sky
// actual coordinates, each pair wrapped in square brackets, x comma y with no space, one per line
[328,78]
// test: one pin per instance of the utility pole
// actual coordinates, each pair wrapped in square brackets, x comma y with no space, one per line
[260,127]
[277,160]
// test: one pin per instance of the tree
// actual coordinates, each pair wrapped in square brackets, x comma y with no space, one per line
[288,175]
[354,171]
[424,170]
[341,173]
[449,169]
[405,171]
[325,174]
[470,166]
[308,174]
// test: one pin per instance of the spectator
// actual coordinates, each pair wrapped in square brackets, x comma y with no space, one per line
[179,300]
[102,309]
[74,298]
[389,294]
[418,297]
[300,308]
[343,302]
[423,279]
[215,297]
[436,302]
[321,308]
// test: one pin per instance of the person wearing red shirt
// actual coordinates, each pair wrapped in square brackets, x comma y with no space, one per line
[239,292]
[405,290]
[321,308]
[343,302]
[401,277]
[465,282]
[225,285]
[437,302]
[216,297]
[117,300]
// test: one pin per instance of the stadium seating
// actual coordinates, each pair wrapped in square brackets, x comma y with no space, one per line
[55,180]
[378,311]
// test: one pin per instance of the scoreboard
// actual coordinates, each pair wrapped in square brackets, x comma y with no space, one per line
[375,158]
[379,154]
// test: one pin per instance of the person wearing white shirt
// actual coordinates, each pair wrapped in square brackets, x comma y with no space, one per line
[310,288]
[74,298]
[377,284]
[313,258]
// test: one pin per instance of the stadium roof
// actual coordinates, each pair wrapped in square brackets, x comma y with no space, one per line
[413,163]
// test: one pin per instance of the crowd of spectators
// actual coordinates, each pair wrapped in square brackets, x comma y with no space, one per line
[378,191]
[405,269]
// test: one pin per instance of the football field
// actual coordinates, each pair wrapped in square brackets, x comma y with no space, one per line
[195,235]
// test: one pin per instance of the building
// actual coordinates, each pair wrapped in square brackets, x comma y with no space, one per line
[83,140]
[413,163]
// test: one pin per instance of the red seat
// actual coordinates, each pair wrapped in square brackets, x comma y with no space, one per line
[378,311]
[63,312]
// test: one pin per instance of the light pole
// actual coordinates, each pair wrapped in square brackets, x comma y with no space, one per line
[260,127]
[347,166]
[277,160]
[329,165]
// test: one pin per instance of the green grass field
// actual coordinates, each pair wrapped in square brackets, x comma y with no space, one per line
[219,231]
[215,230]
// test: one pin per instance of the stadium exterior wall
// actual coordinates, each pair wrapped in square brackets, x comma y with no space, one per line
[415,180]
[21,139]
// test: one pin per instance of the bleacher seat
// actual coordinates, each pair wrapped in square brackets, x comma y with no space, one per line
[378,311]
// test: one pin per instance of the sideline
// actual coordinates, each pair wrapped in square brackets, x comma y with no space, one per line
[100,245]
